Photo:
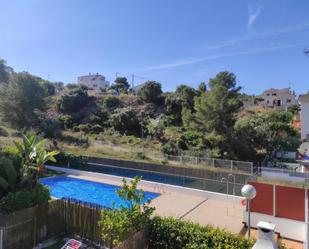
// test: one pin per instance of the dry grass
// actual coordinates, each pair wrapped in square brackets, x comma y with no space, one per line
[285,183]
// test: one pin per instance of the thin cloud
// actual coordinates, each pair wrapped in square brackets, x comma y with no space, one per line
[254,12]
[218,56]
[253,36]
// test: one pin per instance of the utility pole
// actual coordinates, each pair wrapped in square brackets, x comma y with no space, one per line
[142,130]
[132,84]
[116,75]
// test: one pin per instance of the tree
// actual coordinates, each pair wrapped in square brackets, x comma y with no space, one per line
[151,92]
[264,133]
[125,121]
[202,87]
[5,72]
[186,94]
[175,102]
[74,100]
[215,112]
[20,99]
[118,224]
[121,85]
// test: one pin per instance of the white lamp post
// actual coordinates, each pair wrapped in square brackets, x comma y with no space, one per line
[249,192]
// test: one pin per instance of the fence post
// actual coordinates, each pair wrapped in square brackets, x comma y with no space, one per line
[213,162]
[231,165]
[1,238]
[274,201]
[34,232]
[252,169]
[306,244]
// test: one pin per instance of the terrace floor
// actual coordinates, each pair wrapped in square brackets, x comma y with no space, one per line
[225,214]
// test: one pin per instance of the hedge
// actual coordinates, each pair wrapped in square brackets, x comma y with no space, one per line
[171,233]
[26,198]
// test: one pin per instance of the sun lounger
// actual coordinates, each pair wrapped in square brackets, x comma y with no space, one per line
[72,244]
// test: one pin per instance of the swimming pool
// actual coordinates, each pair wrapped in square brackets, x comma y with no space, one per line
[190,182]
[101,194]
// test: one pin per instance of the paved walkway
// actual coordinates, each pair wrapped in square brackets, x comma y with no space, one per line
[220,213]
[198,209]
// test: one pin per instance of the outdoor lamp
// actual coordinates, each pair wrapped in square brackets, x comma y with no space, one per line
[249,192]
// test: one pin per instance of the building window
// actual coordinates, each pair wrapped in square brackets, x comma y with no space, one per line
[288,101]
[274,94]
[267,94]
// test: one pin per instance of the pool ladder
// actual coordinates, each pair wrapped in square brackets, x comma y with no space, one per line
[228,182]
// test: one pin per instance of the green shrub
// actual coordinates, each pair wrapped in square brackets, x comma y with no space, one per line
[170,148]
[118,224]
[50,127]
[111,102]
[64,160]
[66,121]
[74,100]
[25,198]
[132,140]
[167,233]
[96,129]
[84,127]
[125,121]
[151,92]
[4,132]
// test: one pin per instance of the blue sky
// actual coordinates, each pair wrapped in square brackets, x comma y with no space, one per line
[171,41]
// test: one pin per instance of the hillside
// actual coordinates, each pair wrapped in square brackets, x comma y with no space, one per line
[209,121]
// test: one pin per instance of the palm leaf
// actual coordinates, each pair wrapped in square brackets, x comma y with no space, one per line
[4,184]
[11,174]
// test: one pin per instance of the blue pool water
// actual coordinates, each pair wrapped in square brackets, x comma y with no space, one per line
[208,185]
[64,187]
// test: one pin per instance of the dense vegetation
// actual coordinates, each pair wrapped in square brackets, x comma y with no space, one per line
[20,169]
[208,121]
[166,233]
[118,224]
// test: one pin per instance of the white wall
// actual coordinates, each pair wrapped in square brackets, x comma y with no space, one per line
[304,117]
[94,81]
[291,229]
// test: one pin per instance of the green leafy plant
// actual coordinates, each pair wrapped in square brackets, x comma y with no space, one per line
[24,198]
[114,225]
[166,233]
[118,224]
[33,153]
[8,175]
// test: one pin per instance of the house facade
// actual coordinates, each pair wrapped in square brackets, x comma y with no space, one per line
[93,81]
[278,98]
[304,116]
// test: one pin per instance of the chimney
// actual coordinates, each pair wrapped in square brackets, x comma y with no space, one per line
[266,236]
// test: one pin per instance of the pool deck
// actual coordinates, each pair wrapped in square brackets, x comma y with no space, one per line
[195,208]
[224,213]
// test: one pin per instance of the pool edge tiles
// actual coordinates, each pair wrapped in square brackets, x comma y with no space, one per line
[92,192]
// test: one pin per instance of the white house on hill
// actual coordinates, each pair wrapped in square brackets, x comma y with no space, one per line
[93,81]
[304,116]
[278,98]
